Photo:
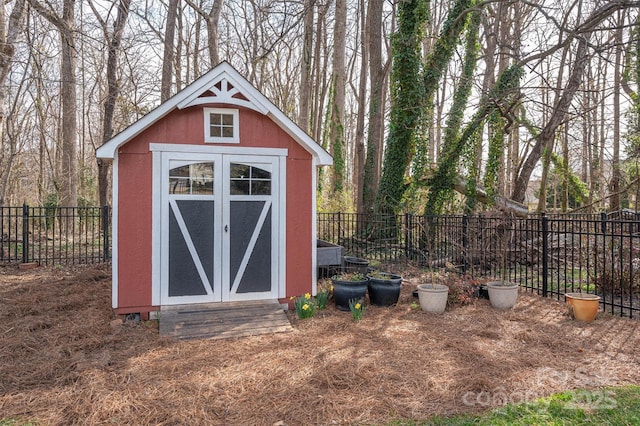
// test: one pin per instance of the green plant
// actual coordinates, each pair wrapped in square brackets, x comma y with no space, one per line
[305,307]
[349,276]
[357,308]
[322,298]
[414,305]
[379,275]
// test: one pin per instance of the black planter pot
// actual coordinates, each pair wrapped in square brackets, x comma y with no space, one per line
[343,291]
[483,292]
[384,289]
[356,264]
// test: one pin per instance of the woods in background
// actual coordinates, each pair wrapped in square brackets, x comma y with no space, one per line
[429,107]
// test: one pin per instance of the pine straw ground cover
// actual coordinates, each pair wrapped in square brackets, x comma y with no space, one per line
[64,360]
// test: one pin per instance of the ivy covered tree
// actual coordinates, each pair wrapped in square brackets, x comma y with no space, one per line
[406,102]
[450,150]
[503,97]
[412,90]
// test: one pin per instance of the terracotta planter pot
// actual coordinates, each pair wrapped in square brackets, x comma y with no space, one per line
[583,306]
[433,297]
[502,295]
[384,289]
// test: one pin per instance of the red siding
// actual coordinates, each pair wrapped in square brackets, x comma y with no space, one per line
[299,223]
[135,199]
[134,230]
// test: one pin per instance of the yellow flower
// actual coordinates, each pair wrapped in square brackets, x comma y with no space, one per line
[305,306]
[307,296]
[358,306]
[292,297]
[331,288]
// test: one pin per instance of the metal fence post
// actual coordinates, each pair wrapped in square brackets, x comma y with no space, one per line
[339,239]
[465,243]
[603,272]
[407,243]
[105,232]
[25,233]
[545,254]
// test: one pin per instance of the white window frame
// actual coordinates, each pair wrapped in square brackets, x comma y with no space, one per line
[221,139]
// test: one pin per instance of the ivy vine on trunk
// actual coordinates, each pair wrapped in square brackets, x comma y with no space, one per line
[406,102]
[411,91]
[501,98]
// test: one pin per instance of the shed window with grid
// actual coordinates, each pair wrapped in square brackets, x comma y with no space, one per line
[221,125]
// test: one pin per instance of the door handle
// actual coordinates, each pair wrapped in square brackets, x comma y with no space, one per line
[226,228]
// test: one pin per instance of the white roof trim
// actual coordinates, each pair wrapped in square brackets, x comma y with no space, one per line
[224,95]
[231,83]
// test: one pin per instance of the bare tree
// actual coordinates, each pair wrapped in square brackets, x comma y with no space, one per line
[169,51]
[114,40]
[65,24]
[305,74]
[544,140]
[359,149]
[614,187]
[212,18]
[9,32]
[378,71]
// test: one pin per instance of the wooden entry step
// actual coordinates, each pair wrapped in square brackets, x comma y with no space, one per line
[223,320]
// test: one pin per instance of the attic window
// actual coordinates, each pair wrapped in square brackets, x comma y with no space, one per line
[221,125]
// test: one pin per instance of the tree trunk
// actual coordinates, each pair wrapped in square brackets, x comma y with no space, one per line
[305,74]
[69,194]
[614,187]
[212,32]
[448,157]
[212,19]
[406,104]
[360,151]
[113,88]
[177,58]
[546,137]
[378,73]
[8,35]
[69,135]
[336,102]
[169,51]
[411,92]
[318,78]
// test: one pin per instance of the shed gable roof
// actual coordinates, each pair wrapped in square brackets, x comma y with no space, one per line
[222,84]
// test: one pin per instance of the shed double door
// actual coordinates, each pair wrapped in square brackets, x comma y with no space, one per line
[220,228]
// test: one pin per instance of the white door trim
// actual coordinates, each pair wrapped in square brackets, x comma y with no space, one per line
[161,155]
[212,149]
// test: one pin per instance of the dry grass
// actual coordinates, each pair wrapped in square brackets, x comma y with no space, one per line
[64,361]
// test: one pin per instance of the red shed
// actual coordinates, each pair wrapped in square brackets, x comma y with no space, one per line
[214,196]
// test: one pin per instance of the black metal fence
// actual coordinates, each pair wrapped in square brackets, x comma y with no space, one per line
[55,235]
[548,255]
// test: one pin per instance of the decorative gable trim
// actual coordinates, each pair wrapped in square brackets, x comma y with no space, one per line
[223,84]
[223,92]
